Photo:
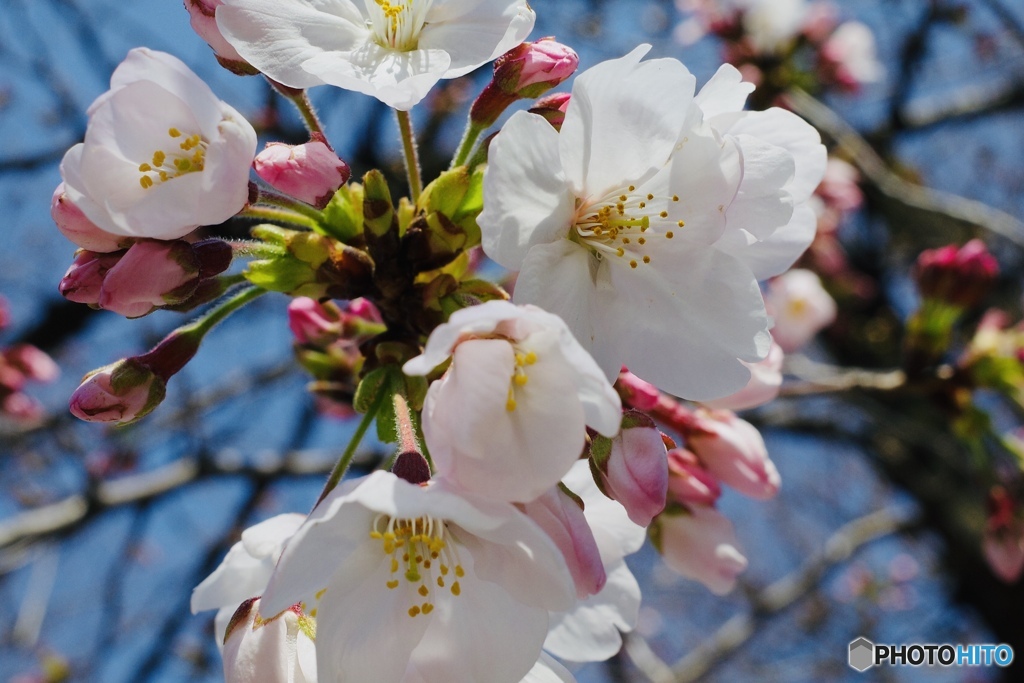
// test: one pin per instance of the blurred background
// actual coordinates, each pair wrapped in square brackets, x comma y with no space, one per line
[887,496]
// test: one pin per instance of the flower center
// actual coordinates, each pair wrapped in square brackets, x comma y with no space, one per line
[422,553]
[396,24]
[519,377]
[622,224]
[189,157]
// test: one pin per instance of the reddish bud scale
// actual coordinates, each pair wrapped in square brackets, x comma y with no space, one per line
[958,276]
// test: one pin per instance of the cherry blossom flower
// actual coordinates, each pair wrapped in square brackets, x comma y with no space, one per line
[394,50]
[414,582]
[245,570]
[850,50]
[508,418]
[613,223]
[162,155]
[800,307]
[278,649]
[783,162]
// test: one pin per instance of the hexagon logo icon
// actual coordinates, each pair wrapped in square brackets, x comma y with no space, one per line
[862,654]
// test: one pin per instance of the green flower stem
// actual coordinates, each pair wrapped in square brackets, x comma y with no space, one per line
[412,161]
[211,318]
[469,138]
[285,202]
[255,249]
[281,216]
[346,458]
[300,99]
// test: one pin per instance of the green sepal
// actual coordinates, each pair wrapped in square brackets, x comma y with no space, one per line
[447,193]
[343,217]
[272,234]
[575,498]
[285,274]
[378,209]
[374,393]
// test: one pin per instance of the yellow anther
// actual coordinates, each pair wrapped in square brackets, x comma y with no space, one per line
[444,570]
[632,264]
[424,591]
[642,240]
[320,593]
[681,224]
[427,608]
[643,204]
[376,534]
[414,611]
[145,168]
[312,612]
[456,588]
[647,259]
[632,187]
[650,197]
[669,234]
[623,197]
[510,405]
[620,251]
[459,571]
[174,133]
[663,214]
[625,240]
[394,565]
[675,198]
[164,176]
[393,584]
[159,157]
[521,380]
[440,582]
[146,182]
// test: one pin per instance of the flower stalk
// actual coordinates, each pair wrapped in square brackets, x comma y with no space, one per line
[411,156]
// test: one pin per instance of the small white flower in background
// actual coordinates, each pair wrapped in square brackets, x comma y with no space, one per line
[394,50]
[508,418]
[245,571]
[700,543]
[613,224]
[800,307]
[162,155]
[277,649]
[592,630]
[851,48]
[415,583]
[783,162]
[772,24]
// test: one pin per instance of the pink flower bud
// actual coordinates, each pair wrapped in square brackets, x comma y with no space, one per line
[122,392]
[83,281]
[278,649]
[700,544]
[733,451]
[364,308]
[552,107]
[312,322]
[633,467]
[76,227]
[309,172]
[961,277]
[204,22]
[688,482]
[800,307]
[544,62]
[32,362]
[21,407]
[526,71]
[561,517]
[151,273]
[763,386]
[1004,553]
[641,395]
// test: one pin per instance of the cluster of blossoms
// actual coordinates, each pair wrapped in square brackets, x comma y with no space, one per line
[19,365]
[786,42]
[640,229]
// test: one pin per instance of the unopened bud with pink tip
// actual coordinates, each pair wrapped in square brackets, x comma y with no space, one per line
[733,451]
[31,362]
[956,276]
[311,172]
[203,15]
[524,72]
[74,225]
[632,467]
[552,107]
[131,388]
[689,482]
[699,543]
[638,393]
[312,322]
[149,275]
[559,513]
